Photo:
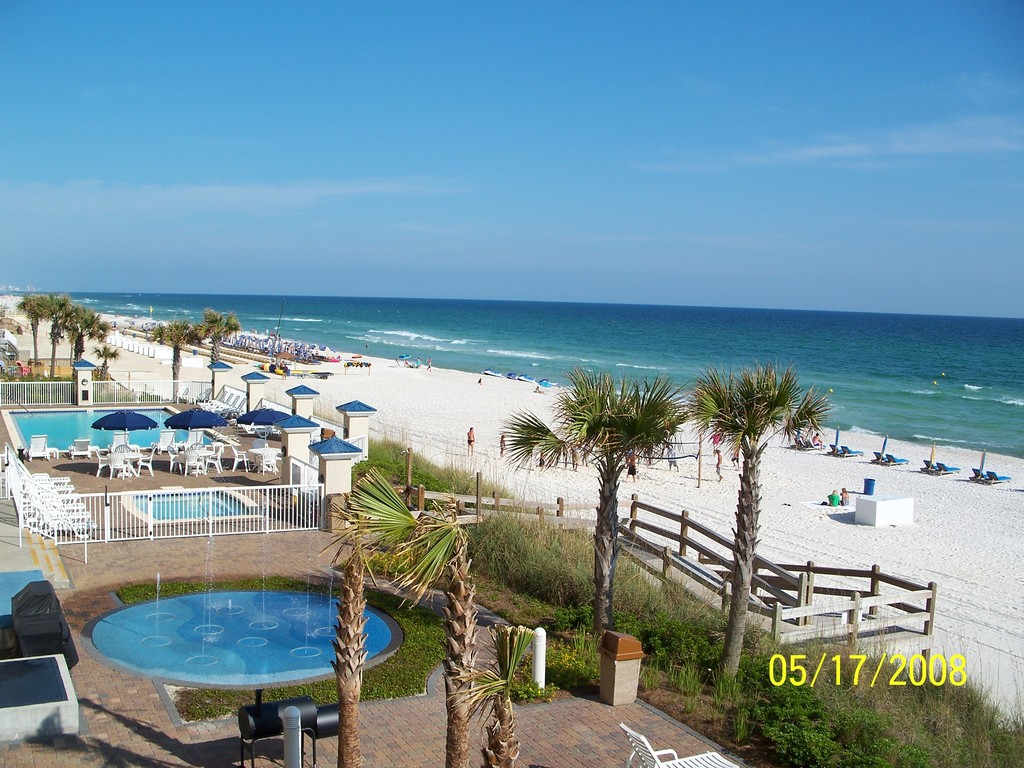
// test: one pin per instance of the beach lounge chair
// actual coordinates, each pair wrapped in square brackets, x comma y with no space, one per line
[993,478]
[835,450]
[81,448]
[892,460]
[647,757]
[847,452]
[942,469]
[38,449]
[879,458]
[929,468]
[166,442]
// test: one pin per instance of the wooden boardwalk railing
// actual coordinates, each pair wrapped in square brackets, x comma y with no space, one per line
[796,598]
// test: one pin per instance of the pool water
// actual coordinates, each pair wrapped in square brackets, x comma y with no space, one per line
[193,506]
[62,428]
[237,638]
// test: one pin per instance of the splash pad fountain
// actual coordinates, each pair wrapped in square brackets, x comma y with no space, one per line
[232,638]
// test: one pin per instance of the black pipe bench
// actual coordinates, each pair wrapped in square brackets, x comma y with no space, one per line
[265,719]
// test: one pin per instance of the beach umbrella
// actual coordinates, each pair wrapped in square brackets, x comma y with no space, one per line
[884,444]
[404,357]
[932,459]
[981,469]
[262,417]
[197,418]
[836,443]
[123,421]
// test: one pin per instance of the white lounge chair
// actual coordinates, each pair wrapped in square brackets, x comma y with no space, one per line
[38,449]
[81,448]
[649,758]
[166,442]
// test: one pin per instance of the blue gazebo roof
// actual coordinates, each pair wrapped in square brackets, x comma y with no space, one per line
[334,446]
[255,376]
[295,422]
[356,406]
[220,365]
[84,365]
[301,391]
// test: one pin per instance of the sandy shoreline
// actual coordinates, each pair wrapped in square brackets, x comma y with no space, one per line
[967,537]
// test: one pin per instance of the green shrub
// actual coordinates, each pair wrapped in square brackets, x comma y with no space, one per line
[573,665]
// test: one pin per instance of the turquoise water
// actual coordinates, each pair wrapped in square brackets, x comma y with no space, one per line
[956,380]
[229,638]
[193,506]
[62,428]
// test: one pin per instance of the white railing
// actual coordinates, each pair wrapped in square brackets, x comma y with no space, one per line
[162,514]
[302,473]
[128,515]
[37,393]
[115,392]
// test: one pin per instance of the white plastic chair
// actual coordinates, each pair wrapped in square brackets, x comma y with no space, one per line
[38,449]
[649,758]
[120,463]
[239,458]
[166,441]
[213,459]
[268,460]
[146,462]
[194,461]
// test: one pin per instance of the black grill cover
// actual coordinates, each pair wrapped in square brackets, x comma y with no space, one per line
[39,623]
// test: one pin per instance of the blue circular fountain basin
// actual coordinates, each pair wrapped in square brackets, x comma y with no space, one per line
[231,638]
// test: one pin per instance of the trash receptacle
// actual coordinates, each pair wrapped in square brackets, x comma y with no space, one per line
[620,668]
[869,486]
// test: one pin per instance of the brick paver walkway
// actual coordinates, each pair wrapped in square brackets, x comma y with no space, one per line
[127,721]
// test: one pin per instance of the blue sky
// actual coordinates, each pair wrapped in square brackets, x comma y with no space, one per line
[853,156]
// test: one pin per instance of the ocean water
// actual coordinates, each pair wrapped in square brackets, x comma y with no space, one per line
[957,381]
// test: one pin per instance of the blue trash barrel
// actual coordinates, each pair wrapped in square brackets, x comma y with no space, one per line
[869,486]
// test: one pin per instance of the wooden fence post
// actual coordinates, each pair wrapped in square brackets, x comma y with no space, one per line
[497,501]
[421,498]
[777,622]
[684,527]
[540,513]
[801,595]
[408,476]
[855,616]
[561,507]
[875,570]
[479,497]
[632,514]
[929,626]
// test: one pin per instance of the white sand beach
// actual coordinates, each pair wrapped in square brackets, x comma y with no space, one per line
[966,537]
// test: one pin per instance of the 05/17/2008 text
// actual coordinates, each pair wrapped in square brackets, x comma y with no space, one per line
[853,669]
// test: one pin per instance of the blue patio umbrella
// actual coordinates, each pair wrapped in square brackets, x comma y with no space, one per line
[262,417]
[123,421]
[197,418]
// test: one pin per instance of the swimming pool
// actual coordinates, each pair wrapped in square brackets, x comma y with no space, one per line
[237,638]
[194,506]
[62,428]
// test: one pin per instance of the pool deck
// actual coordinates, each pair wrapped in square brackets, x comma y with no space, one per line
[126,720]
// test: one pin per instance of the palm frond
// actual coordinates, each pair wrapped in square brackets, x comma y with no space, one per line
[379,511]
[436,542]
[511,644]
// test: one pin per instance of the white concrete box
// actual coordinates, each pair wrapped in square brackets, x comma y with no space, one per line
[37,698]
[881,511]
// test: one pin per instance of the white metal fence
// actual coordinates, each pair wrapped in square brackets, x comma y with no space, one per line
[115,392]
[37,393]
[163,514]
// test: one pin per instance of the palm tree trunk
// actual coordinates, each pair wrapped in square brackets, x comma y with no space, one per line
[748,509]
[35,340]
[502,750]
[606,549]
[349,657]
[460,658]
[53,354]
[215,348]
[175,371]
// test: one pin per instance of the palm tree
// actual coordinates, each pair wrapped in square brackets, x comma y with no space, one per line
[105,354]
[431,549]
[216,326]
[609,423]
[58,308]
[84,324]
[494,687]
[177,335]
[350,640]
[748,410]
[33,307]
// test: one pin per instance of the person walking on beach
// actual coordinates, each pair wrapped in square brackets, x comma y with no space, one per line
[736,457]
[673,463]
[429,366]
[470,439]
[501,446]
[718,463]
[631,467]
